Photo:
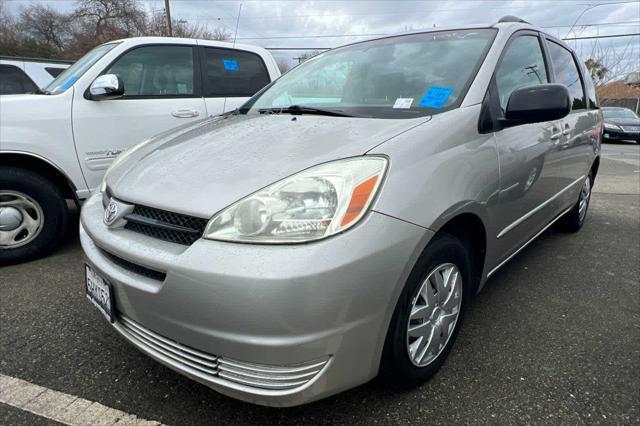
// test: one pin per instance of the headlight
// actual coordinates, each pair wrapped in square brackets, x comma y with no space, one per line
[310,205]
[611,126]
[119,159]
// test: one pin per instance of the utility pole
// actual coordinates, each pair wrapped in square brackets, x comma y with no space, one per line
[167,15]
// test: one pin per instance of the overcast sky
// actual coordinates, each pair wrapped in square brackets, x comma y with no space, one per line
[332,23]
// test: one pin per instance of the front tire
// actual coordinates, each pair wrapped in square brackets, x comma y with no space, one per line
[33,215]
[428,314]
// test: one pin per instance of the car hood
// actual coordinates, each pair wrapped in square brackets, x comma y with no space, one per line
[201,169]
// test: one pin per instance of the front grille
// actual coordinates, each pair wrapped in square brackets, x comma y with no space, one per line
[134,267]
[631,128]
[220,369]
[168,226]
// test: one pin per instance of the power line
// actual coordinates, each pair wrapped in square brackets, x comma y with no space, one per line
[596,24]
[603,36]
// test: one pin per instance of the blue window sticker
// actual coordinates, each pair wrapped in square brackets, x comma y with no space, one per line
[436,97]
[230,64]
[69,82]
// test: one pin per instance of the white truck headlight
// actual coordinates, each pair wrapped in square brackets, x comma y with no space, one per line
[310,205]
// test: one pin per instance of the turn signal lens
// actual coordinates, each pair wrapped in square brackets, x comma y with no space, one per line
[359,200]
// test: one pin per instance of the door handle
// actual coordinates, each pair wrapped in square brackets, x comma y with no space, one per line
[185,113]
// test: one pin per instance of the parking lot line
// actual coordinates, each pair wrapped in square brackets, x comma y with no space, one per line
[62,407]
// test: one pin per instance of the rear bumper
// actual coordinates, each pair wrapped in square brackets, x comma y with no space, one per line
[273,325]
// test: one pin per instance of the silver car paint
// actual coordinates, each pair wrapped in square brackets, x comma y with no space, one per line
[290,304]
[270,305]
[243,154]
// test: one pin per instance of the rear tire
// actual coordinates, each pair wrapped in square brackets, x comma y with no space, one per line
[401,362]
[575,218]
[33,215]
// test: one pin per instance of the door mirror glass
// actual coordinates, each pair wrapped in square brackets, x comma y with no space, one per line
[107,86]
[538,103]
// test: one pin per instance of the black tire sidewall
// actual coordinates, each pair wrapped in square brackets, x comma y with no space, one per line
[571,222]
[54,211]
[396,365]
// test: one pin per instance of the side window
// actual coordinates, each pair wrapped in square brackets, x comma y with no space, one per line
[589,87]
[521,65]
[54,71]
[232,73]
[566,72]
[14,81]
[156,71]
[326,85]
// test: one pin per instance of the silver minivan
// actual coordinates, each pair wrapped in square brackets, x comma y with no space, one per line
[336,226]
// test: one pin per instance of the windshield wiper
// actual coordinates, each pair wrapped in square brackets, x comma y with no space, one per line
[301,109]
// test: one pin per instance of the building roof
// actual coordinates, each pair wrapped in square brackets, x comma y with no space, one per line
[618,90]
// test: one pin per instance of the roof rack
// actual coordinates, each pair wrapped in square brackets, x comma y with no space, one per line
[511,18]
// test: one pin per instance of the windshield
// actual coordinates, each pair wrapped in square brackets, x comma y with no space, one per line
[396,77]
[619,113]
[75,71]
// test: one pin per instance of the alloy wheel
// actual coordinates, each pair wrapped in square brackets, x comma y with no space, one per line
[434,312]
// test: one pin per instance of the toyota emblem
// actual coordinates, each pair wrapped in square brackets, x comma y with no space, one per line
[110,213]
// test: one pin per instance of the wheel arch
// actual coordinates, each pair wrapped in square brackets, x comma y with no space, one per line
[43,167]
[594,168]
[470,229]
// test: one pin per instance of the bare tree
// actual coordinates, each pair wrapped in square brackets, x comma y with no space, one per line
[158,27]
[46,25]
[9,34]
[221,34]
[45,32]
[112,18]
[607,64]
[308,55]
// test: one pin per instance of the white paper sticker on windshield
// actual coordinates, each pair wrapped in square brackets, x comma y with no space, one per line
[403,103]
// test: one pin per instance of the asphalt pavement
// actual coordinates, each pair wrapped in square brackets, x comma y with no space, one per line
[553,338]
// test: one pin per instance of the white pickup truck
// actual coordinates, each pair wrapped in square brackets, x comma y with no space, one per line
[56,146]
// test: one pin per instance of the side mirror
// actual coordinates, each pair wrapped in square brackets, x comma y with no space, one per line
[535,104]
[107,86]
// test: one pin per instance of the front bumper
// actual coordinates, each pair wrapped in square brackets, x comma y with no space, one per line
[619,135]
[273,325]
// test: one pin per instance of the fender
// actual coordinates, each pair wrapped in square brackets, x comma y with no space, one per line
[40,126]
